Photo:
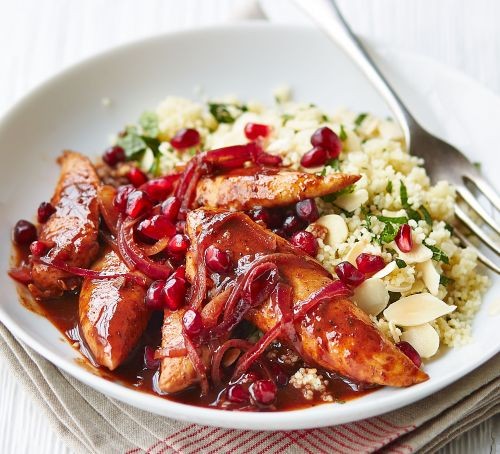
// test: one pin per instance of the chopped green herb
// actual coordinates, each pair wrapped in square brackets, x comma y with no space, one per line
[400,263]
[390,250]
[389,233]
[388,188]
[449,228]
[396,220]
[331,197]
[342,134]
[221,111]
[359,119]
[324,118]
[426,214]
[477,165]
[285,117]
[403,194]
[443,280]
[149,124]
[135,145]
[437,254]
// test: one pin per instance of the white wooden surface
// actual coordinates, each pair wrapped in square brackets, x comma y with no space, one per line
[39,38]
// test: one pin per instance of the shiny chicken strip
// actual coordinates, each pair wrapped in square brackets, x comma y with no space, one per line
[337,336]
[243,189]
[72,230]
[112,313]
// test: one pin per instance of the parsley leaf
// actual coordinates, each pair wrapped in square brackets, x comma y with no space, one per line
[396,220]
[437,254]
[331,197]
[342,134]
[389,233]
[403,194]
[388,188]
[400,263]
[443,280]
[359,119]
[426,214]
[135,145]
[221,111]
[149,124]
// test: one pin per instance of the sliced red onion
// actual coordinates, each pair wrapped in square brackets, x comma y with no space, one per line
[240,344]
[131,252]
[156,248]
[198,364]
[83,272]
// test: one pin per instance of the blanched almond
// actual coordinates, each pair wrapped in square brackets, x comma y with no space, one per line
[356,250]
[350,202]
[399,288]
[423,338]
[430,276]
[371,296]
[386,270]
[417,309]
[418,254]
[337,228]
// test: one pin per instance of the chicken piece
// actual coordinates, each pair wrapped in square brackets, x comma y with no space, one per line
[243,189]
[112,313]
[72,230]
[177,373]
[337,336]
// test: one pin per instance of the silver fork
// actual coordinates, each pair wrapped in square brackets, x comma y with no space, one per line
[442,160]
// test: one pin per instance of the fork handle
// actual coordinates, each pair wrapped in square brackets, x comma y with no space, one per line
[327,15]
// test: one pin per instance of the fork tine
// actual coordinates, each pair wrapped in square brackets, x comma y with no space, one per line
[469,198]
[464,217]
[481,257]
[486,189]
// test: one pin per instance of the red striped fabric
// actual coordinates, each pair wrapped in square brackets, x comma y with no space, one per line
[362,437]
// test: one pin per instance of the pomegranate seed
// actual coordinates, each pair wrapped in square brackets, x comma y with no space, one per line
[192,321]
[403,238]
[138,203]
[237,394]
[171,207]
[154,299]
[159,188]
[315,157]
[180,272]
[113,155]
[185,138]
[349,274]
[260,215]
[409,351]
[149,358]
[38,248]
[45,211]
[307,210]
[292,224]
[178,244]
[263,391]
[305,241]
[120,200]
[369,263]
[217,259]
[24,232]
[137,177]
[255,130]
[324,137]
[157,227]
[174,292]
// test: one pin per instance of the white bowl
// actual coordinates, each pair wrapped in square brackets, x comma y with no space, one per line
[250,61]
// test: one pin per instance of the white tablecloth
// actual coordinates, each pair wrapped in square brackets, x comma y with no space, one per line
[40,37]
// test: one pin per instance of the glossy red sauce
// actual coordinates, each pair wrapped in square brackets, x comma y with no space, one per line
[63,314]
